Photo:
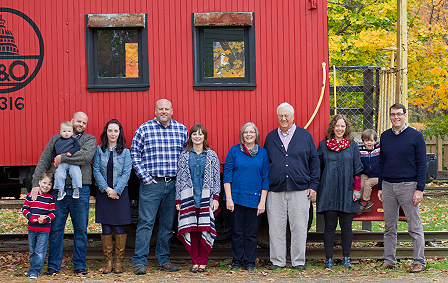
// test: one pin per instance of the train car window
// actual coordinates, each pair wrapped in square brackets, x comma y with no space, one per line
[117,52]
[224,51]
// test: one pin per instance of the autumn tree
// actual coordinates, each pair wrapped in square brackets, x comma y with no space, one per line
[359,28]
[428,59]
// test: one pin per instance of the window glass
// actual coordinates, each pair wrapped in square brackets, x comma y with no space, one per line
[117,53]
[224,53]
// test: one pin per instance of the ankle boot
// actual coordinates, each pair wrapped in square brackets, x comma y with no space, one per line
[120,245]
[329,263]
[346,262]
[108,246]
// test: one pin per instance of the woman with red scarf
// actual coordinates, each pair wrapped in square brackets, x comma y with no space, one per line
[340,185]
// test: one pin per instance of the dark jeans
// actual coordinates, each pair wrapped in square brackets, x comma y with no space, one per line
[155,200]
[79,213]
[345,222]
[245,223]
[38,242]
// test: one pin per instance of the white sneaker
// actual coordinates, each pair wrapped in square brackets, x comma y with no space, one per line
[33,276]
[75,193]
[61,194]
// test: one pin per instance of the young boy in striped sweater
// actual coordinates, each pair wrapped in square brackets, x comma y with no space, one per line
[39,213]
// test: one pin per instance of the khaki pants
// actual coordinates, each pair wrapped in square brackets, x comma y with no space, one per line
[366,186]
[281,207]
[394,196]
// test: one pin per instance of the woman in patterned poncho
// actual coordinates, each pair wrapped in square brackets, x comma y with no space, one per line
[197,197]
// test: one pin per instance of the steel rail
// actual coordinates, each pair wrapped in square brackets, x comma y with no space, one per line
[313,237]
[19,243]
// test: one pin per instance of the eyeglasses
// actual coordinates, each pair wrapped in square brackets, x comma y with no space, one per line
[284,116]
[249,132]
[396,114]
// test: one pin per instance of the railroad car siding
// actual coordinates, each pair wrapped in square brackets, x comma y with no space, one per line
[291,43]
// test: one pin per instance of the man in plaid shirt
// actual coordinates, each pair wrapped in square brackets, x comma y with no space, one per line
[155,149]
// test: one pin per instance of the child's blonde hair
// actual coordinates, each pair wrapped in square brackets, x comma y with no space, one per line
[66,123]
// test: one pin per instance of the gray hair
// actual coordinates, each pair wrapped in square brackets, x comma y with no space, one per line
[285,104]
[257,133]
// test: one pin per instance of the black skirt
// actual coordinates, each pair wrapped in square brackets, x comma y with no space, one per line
[112,211]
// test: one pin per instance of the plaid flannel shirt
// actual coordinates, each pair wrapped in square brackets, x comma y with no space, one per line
[155,149]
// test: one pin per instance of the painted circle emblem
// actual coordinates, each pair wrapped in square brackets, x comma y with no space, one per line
[20,57]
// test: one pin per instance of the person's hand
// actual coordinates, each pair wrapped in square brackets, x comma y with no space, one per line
[57,160]
[380,195]
[310,193]
[111,193]
[42,219]
[34,193]
[178,207]
[153,181]
[215,205]
[356,195]
[229,204]
[418,197]
[34,219]
[261,208]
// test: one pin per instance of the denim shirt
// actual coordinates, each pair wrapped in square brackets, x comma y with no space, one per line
[196,163]
[122,169]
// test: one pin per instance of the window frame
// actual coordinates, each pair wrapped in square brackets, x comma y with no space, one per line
[200,82]
[98,84]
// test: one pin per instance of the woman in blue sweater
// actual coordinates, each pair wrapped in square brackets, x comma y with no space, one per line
[246,185]
[339,187]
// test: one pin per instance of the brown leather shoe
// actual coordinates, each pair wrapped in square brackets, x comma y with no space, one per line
[384,266]
[417,268]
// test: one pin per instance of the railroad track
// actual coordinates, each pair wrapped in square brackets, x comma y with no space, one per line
[372,249]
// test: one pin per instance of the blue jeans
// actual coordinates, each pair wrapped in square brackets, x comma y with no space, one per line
[38,242]
[79,213]
[61,174]
[155,198]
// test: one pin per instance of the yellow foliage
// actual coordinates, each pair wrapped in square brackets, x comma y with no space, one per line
[229,59]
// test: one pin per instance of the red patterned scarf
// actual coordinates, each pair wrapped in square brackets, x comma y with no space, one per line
[336,145]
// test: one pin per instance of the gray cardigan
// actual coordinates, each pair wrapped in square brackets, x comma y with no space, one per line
[82,157]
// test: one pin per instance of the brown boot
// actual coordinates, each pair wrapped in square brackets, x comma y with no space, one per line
[120,245]
[108,246]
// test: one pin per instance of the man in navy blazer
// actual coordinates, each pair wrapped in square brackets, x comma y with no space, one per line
[294,171]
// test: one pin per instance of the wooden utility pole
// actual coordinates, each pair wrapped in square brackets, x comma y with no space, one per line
[401,93]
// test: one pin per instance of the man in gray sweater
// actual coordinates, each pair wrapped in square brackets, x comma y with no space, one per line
[78,208]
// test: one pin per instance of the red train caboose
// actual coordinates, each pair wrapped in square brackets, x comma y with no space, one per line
[221,62]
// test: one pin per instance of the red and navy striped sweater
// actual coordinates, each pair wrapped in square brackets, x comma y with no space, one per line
[43,205]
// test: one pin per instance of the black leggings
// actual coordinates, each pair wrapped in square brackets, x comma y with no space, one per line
[345,222]
[107,229]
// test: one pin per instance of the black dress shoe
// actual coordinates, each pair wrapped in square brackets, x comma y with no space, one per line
[81,271]
[50,271]
[274,267]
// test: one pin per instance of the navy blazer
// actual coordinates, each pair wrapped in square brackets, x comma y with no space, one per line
[298,168]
